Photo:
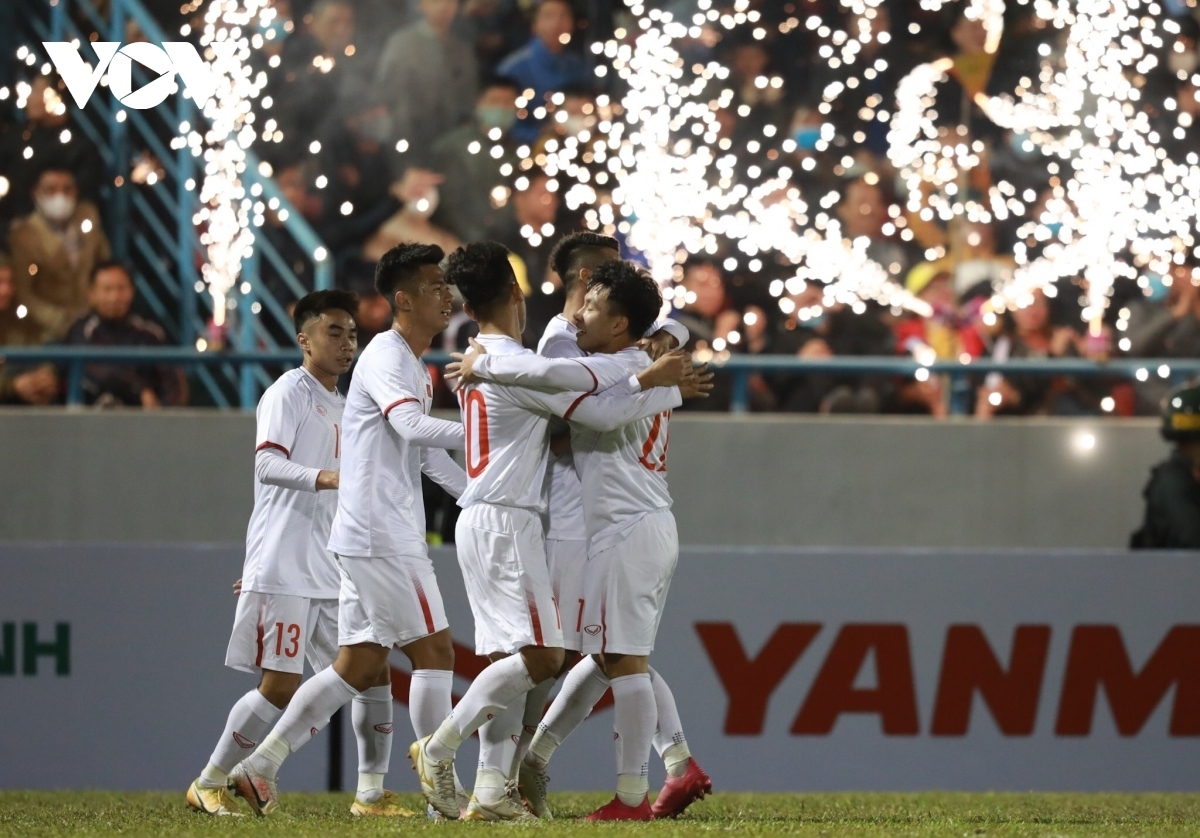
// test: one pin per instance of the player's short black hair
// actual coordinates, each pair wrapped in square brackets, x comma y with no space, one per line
[632,292]
[108,265]
[402,265]
[311,306]
[482,273]
[576,251]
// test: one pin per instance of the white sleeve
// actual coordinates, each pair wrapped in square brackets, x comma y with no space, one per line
[552,375]
[272,468]
[562,347]
[444,471]
[605,411]
[673,328]
[278,419]
[410,421]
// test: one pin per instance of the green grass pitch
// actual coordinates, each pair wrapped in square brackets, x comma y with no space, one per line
[153,814]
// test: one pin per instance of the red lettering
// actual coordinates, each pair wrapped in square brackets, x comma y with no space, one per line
[478,448]
[968,664]
[749,683]
[1098,658]
[894,698]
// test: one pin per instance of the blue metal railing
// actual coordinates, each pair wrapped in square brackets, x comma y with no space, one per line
[152,226]
[738,367]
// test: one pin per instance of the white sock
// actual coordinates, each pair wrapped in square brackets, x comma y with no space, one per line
[371,712]
[634,721]
[669,740]
[535,706]
[584,685]
[429,699]
[309,711]
[498,686]
[498,738]
[249,721]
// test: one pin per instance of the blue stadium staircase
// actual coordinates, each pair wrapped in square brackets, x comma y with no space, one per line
[150,224]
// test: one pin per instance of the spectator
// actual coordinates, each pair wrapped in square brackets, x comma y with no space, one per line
[545,65]
[705,297]
[430,80]
[494,27]
[863,212]
[54,249]
[412,223]
[527,227]
[45,137]
[1172,519]
[465,157]
[109,322]
[20,384]
[1171,328]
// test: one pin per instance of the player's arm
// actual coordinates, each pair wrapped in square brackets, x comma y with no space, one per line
[607,411]
[442,469]
[388,388]
[273,468]
[278,420]
[664,336]
[550,375]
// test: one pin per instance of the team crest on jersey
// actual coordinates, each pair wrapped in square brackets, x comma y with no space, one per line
[592,630]
[321,411]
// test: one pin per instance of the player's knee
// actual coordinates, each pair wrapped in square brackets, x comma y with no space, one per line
[359,666]
[570,658]
[541,662]
[279,687]
[435,651]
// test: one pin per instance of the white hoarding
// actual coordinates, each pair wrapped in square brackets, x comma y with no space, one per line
[793,669]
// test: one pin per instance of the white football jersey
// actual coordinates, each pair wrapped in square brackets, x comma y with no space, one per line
[622,472]
[380,508]
[286,542]
[564,494]
[507,426]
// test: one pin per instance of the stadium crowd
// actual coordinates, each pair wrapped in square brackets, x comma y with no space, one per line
[426,120]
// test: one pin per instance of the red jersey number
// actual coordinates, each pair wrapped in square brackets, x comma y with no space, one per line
[475,410]
[654,449]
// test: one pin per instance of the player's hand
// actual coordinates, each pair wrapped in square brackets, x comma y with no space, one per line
[667,371]
[658,344]
[463,366]
[697,383]
[37,387]
[237,587]
[150,400]
[327,480]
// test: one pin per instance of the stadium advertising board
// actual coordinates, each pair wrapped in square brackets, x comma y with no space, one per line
[793,669]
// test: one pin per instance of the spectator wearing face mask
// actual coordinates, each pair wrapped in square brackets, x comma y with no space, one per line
[473,169]
[545,65]
[429,78]
[110,322]
[421,195]
[21,384]
[54,249]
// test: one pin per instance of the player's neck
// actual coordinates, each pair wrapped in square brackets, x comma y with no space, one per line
[504,324]
[574,302]
[328,380]
[417,338]
[615,345]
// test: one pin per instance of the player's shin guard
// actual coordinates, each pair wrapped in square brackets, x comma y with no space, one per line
[309,711]
[371,712]
[584,685]
[669,740]
[634,720]
[249,721]
[498,686]
[497,746]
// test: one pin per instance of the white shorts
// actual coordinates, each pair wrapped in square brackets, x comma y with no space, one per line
[389,601]
[503,559]
[566,559]
[625,588]
[278,632]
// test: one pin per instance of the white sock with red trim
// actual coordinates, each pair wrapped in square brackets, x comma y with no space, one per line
[249,721]
[669,740]
[498,738]
[584,685]
[371,712]
[535,707]
[309,711]
[634,720]
[498,686]
[429,699]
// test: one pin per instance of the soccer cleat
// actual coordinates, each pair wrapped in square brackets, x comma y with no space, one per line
[211,801]
[261,793]
[680,792]
[437,779]
[507,808]
[534,784]
[615,810]
[387,806]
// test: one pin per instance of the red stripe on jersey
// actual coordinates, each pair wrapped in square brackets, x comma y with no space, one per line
[425,612]
[579,622]
[388,409]
[259,638]
[286,452]
[534,618]
[574,405]
[595,381]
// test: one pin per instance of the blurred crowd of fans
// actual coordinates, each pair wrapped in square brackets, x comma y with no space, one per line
[425,120]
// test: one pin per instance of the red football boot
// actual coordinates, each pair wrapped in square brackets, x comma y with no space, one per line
[680,792]
[615,810]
